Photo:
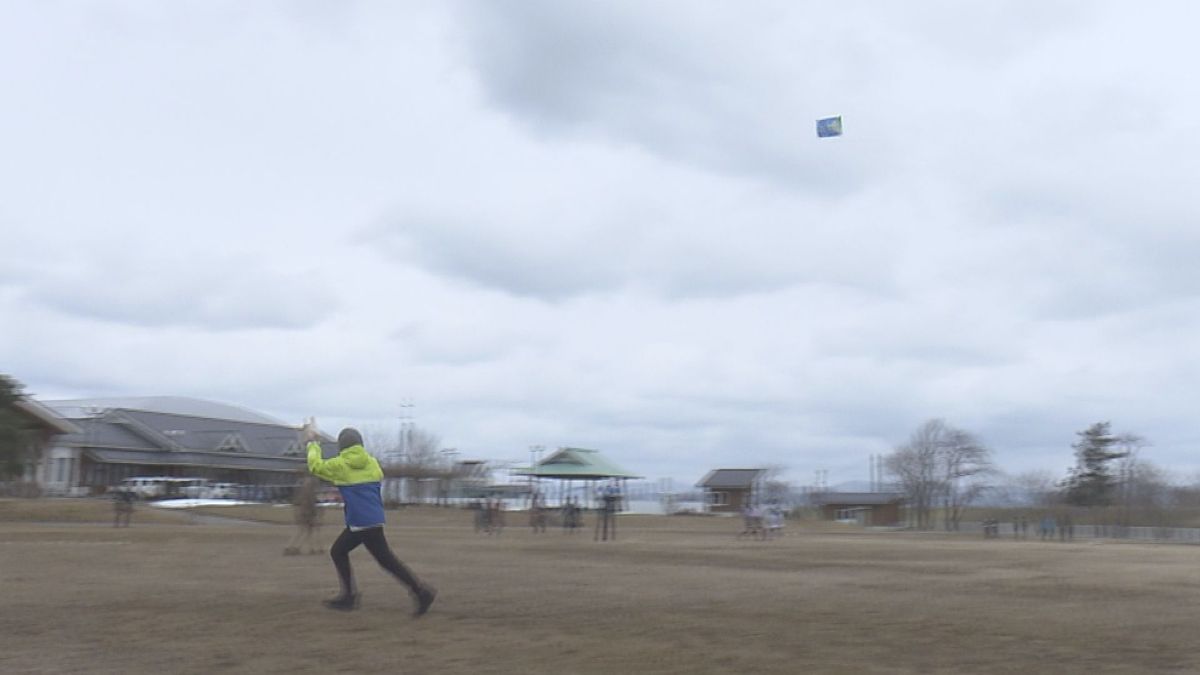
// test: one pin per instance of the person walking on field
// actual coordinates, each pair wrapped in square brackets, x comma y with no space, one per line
[122,506]
[357,476]
[537,513]
[308,517]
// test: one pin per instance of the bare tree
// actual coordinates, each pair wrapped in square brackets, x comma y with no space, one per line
[1032,488]
[966,465]
[1187,495]
[940,464]
[915,467]
[417,454]
[775,488]
[424,450]
[414,457]
[381,443]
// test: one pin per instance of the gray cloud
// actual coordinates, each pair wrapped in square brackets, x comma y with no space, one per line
[164,289]
[663,81]
[612,225]
[714,245]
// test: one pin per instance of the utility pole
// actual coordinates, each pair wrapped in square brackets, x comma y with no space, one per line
[400,456]
[406,425]
[535,457]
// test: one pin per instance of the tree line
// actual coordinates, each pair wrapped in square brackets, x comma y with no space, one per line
[16,432]
[941,469]
[945,470]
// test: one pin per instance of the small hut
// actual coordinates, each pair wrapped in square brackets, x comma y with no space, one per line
[728,490]
[575,468]
[864,508]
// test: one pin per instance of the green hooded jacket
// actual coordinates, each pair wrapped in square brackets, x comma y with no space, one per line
[357,476]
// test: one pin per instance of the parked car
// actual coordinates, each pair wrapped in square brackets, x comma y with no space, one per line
[222,491]
[193,488]
[146,487]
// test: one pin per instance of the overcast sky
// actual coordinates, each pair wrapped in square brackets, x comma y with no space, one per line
[611,225]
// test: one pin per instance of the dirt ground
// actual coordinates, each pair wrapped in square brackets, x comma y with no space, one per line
[178,593]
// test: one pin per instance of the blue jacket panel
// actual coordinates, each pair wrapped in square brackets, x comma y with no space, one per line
[364,504]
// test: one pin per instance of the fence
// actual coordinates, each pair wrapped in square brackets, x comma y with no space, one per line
[1181,535]
[1166,535]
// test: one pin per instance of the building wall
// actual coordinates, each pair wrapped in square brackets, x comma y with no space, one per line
[879,515]
[68,471]
[59,470]
[732,499]
[887,515]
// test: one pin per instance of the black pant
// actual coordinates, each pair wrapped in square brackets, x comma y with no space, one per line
[377,544]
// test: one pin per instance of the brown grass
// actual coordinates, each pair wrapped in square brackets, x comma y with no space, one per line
[80,511]
[672,595]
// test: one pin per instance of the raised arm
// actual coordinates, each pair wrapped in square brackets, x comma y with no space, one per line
[332,470]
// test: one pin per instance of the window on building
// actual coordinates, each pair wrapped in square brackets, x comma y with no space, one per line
[718,498]
[856,513]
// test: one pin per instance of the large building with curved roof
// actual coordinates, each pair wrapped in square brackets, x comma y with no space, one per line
[118,438]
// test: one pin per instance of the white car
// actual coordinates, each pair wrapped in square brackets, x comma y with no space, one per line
[222,491]
[192,488]
[146,487]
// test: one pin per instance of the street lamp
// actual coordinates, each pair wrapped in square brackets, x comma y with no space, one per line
[535,456]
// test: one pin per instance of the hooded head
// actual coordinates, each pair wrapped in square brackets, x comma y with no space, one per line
[349,437]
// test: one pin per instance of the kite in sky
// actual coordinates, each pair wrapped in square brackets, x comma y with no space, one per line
[829,126]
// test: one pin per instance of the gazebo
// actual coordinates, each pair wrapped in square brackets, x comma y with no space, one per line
[568,465]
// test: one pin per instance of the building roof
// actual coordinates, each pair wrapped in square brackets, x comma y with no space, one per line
[173,430]
[858,498]
[218,460]
[579,463]
[173,405]
[731,478]
[45,415]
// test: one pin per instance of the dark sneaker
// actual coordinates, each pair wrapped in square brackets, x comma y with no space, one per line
[425,598]
[343,603]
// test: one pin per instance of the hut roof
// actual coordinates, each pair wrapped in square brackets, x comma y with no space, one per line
[579,463]
[731,478]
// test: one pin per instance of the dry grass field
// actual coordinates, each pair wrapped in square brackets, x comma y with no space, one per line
[177,593]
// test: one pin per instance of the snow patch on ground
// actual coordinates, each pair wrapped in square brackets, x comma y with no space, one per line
[189,503]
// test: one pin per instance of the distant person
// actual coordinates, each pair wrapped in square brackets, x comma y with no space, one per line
[537,513]
[496,520]
[123,499]
[774,522]
[747,520]
[307,515]
[752,522]
[609,498]
[570,518]
[481,515]
[357,476]
[1047,529]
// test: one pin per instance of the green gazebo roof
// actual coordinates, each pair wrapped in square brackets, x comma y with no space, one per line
[578,463]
